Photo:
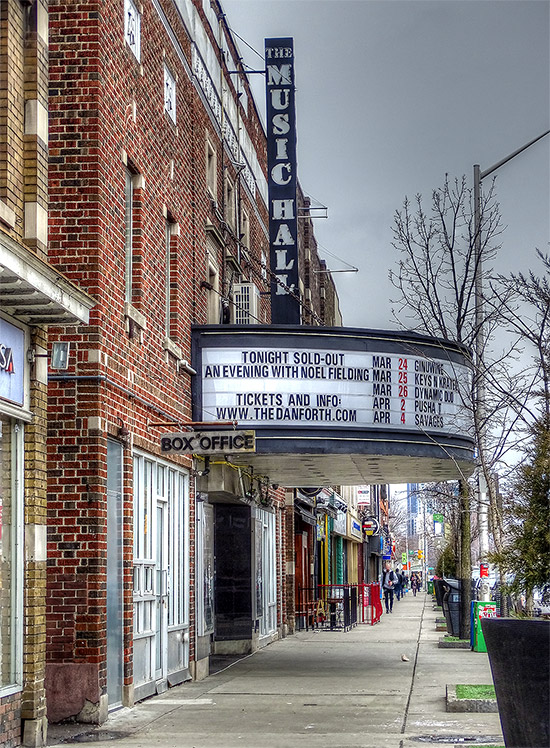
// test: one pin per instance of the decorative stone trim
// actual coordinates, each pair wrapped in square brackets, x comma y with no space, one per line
[172,348]
[130,312]
[7,215]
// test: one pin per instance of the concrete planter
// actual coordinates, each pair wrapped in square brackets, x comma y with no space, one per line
[519,654]
[455,704]
[457,644]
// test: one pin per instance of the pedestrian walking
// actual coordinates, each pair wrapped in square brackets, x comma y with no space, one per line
[415,584]
[389,580]
[399,586]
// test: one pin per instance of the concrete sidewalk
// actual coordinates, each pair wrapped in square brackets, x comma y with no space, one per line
[317,689]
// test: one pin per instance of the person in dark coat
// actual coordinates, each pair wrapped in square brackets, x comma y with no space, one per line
[399,585]
[389,580]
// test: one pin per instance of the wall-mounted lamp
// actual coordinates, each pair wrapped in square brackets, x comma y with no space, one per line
[60,354]
[59,357]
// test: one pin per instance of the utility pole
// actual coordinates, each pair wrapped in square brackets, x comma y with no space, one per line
[425,544]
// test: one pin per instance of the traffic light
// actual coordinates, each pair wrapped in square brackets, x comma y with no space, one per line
[420,553]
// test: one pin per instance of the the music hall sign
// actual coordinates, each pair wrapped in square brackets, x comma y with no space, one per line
[281,180]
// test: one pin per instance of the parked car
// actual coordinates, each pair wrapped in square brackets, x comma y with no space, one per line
[541,599]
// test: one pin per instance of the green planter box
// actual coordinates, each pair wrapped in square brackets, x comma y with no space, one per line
[482,609]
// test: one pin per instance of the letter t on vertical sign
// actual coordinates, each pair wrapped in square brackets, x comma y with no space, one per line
[281,180]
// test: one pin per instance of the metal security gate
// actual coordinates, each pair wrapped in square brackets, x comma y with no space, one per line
[266,526]
[161,575]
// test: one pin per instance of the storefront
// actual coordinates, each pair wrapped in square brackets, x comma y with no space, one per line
[14,413]
[238,537]
[354,538]
[32,296]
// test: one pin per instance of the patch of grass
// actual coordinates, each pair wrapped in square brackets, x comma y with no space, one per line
[453,639]
[466,691]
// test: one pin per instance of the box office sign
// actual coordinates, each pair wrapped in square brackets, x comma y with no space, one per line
[12,360]
[208,442]
[331,389]
[281,179]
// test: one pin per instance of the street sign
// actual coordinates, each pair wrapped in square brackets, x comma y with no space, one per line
[439,518]
[403,558]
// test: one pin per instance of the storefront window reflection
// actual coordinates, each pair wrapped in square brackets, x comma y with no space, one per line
[9,518]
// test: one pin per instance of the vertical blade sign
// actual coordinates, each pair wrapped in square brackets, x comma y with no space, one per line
[281,167]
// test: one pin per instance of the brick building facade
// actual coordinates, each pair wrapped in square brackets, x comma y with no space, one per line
[33,295]
[159,211]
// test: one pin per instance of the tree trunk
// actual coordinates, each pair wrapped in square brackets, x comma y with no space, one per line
[465,561]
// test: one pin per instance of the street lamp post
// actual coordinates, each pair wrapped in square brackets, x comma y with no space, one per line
[479,348]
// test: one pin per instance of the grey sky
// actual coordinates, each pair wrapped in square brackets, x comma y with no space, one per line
[393,94]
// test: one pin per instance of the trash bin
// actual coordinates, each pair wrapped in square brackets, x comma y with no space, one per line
[482,609]
[439,590]
[430,587]
[451,606]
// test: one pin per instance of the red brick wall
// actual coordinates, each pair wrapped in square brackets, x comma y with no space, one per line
[124,381]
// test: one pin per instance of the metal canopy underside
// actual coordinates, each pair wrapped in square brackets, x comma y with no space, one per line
[294,470]
[35,293]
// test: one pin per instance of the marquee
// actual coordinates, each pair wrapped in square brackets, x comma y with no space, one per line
[339,405]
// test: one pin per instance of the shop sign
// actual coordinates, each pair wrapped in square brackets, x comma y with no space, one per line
[281,179]
[355,529]
[371,526]
[339,523]
[333,389]
[363,495]
[208,442]
[12,358]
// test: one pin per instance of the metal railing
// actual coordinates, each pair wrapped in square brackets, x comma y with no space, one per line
[337,607]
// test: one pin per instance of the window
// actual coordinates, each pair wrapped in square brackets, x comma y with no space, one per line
[128,235]
[134,185]
[245,229]
[211,170]
[168,303]
[169,94]
[160,484]
[213,301]
[171,231]
[132,27]
[230,200]
[11,560]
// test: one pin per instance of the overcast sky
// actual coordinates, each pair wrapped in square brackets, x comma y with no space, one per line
[393,94]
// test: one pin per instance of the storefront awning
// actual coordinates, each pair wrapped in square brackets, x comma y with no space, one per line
[35,293]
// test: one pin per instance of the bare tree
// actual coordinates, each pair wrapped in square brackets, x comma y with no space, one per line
[526,528]
[436,279]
